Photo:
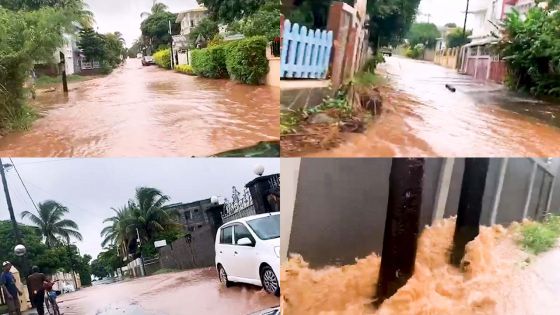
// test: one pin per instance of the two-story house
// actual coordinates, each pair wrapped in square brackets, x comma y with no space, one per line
[188,19]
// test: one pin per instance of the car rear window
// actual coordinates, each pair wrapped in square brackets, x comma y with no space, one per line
[226,235]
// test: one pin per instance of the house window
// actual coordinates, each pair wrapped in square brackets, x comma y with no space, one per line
[192,23]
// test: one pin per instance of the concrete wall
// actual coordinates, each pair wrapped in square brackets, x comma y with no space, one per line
[273,75]
[340,204]
[179,255]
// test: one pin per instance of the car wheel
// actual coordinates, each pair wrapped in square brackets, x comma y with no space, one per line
[223,277]
[270,281]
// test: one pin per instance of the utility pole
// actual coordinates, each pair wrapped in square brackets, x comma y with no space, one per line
[63,69]
[9,202]
[465,24]
[402,226]
[143,269]
[470,206]
[171,46]
[72,263]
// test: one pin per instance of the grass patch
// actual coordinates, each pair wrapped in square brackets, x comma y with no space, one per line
[165,270]
[290,120]
[19,118]
[365,79]
[45,80]
[539,237]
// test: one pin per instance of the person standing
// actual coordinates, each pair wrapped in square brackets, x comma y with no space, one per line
[36,282]
[10,290]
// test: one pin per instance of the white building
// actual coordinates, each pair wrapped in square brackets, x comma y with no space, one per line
[188,19]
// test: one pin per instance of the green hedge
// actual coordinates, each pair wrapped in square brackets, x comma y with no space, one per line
[162,58]
[186,69]
[210,62]
[246,59]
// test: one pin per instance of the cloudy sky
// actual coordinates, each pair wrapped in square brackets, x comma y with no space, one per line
[90,187]
[124,15]
[446,11]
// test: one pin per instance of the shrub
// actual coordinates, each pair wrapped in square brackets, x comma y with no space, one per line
[187,69]
[537,237]
[210,62]
[371,64]
[246,60]
[162,58]
[415,52]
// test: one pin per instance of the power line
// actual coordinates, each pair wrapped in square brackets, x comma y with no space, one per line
[47,161]
[25,187]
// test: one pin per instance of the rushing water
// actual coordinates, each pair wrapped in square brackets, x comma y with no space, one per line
[498,278]
[423,118]
[188,292]
[146,111]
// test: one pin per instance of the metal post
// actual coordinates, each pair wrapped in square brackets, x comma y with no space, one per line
[470,206]
[63,69]
[9,202]
[401,226]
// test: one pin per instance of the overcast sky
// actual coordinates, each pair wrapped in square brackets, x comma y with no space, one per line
[90,187]
[124,15]
[446,11]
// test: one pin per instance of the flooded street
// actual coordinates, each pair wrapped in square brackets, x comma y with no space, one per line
[423,118]
[187,292]
[147,111]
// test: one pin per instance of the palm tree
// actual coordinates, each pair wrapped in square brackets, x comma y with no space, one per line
[50,221]
[157,7]
[117,233]
[148,213]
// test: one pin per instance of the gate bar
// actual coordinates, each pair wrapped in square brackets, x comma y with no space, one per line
[470,206]
[401,226]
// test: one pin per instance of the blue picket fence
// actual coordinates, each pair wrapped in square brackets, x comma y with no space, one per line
[305,52]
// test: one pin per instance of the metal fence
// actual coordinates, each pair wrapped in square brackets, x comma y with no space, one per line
[305,52]
[240,206]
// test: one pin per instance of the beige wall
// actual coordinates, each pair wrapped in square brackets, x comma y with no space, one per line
[290,175]
[273,76]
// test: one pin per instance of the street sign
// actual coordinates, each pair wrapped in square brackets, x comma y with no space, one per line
[161,243]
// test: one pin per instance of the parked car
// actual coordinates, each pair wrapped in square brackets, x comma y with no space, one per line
[147,60]
[248,251]
[387,51]
[268,311]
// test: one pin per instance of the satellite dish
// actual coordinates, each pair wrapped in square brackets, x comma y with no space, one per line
[214,200]
[19,250]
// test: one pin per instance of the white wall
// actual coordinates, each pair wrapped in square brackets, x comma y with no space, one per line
[288,186]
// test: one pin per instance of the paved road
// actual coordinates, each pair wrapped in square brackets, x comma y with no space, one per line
[147,111]
[424,118]
[189,292]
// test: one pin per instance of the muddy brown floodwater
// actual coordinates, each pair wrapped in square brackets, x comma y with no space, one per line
[147,111]
[422,118]
[498,278]
[187,292]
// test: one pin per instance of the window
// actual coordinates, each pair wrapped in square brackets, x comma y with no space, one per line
[241,231]
[187,216]
[192,23]
[267,227]
[226,235]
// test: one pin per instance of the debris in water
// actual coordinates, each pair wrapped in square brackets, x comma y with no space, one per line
[450,88]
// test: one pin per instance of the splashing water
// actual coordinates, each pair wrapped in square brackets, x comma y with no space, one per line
[497,277]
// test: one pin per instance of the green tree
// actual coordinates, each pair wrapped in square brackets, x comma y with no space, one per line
[117,232]
[155,28]
[531,49]
[50,221]
[78,10]
[205,28]
[390,20]
[157,7]
[92,45]
[114,48]
[24,38]
[227,11]
[263,22]
[423,33]
[456,38]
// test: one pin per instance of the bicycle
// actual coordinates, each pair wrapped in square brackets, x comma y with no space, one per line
[50,303]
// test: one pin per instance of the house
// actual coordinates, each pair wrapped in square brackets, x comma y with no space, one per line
[486,19]
[193,215]
[188,19]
